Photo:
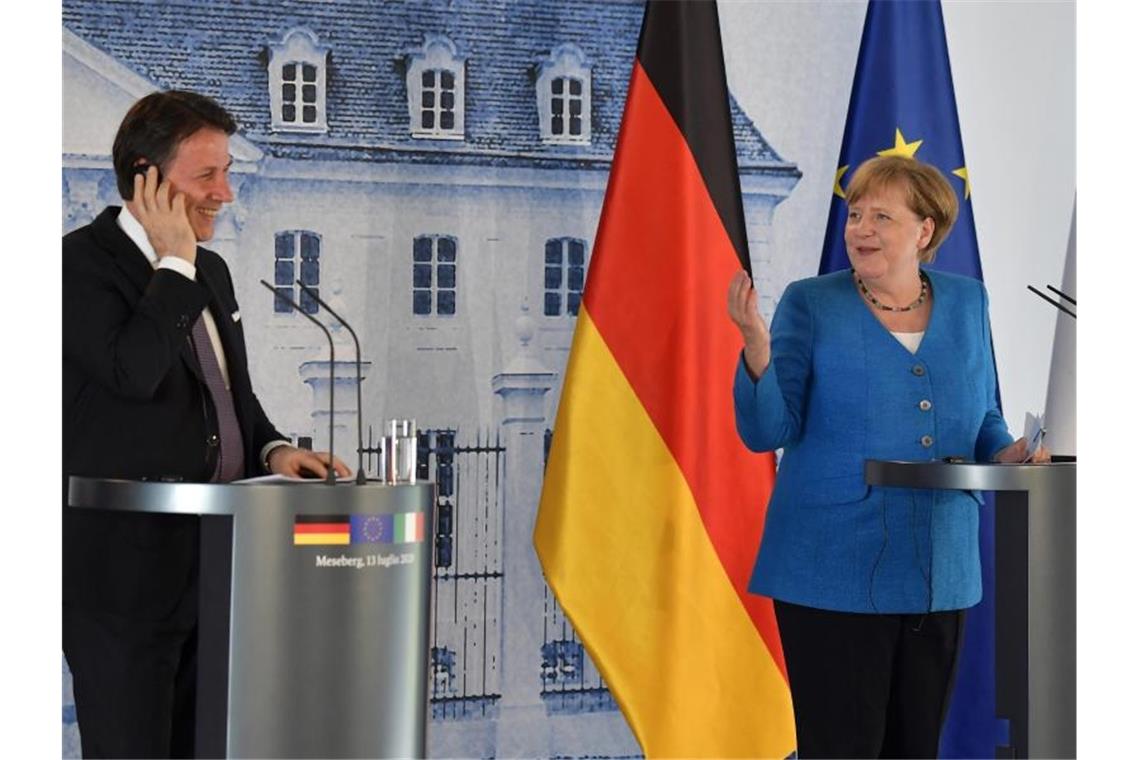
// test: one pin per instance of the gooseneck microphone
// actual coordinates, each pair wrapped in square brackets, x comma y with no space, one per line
[330,475]
[360,478]
[1068,298]
[1060,306]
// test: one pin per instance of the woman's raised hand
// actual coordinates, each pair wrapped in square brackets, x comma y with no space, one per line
[745,314]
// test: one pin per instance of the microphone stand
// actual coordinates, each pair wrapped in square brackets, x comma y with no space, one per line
[360,477]
[1061,293]
[1057,304]
[330,474]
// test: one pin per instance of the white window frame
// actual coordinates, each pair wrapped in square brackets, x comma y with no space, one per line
[434,264]
[563,291]
[437,54]
[565,62]
[302,48]
[298,262]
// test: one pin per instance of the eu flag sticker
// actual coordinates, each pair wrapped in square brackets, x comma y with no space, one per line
[371,529]
[399,528]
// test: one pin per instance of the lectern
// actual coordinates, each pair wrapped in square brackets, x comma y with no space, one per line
[313,623]
[1035,565]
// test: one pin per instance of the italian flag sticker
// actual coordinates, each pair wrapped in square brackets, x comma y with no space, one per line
[408,528]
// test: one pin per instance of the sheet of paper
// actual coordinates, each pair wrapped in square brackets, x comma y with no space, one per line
[289,479]
[1034,432]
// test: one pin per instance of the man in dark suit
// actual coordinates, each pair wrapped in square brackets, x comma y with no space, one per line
[155,385]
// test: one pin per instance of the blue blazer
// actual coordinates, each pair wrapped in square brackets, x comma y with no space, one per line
[841,389]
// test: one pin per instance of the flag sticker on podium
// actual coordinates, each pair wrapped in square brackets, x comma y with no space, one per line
[409,527]
[400,528]
[321,530]
[326,530]
[371,529]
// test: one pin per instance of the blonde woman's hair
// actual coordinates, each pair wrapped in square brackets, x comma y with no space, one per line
[927,192]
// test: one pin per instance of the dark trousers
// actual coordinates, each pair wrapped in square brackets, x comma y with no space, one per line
[134,684]
[869,685]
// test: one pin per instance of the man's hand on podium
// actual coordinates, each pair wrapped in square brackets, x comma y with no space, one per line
[302,463]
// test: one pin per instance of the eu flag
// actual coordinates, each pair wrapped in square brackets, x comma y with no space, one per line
[371,529]
[902,103]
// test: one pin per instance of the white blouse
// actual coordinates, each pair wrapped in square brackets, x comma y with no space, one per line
[910,339]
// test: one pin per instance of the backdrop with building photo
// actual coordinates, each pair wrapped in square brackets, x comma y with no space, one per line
[436,171]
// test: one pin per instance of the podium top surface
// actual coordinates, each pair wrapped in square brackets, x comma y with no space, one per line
[313,496]
[967,476]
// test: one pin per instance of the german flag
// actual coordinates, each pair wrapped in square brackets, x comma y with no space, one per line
[652,508]
[321,530]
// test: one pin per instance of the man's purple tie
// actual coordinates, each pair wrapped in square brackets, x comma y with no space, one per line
[231,454]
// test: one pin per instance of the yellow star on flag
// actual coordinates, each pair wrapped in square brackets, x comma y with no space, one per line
[965,175]
[838,176]
[902,147]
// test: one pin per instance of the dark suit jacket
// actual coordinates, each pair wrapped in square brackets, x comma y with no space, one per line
[135,406]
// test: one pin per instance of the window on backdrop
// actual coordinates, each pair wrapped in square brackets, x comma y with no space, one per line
[436,74]
[297,83]
[566,107]
[563,93]
[299,93]
[296,256]
[434,260]
[437,103]
[564,275]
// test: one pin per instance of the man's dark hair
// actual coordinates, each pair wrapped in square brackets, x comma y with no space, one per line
[154,127]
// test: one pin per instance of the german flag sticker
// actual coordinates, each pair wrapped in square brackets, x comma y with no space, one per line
[321,530]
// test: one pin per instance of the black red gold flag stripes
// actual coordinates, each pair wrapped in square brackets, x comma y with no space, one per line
[680,52]
[320,530]
[652,508]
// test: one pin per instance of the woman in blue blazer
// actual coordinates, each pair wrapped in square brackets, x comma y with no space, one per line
[886,360]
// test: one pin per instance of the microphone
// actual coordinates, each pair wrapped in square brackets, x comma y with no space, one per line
[1068,298]
[360,478]
[330,475]
[1057,304]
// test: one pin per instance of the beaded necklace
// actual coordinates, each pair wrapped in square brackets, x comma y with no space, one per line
[909,307]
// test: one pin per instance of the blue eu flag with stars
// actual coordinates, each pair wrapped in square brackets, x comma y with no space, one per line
[902,103]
